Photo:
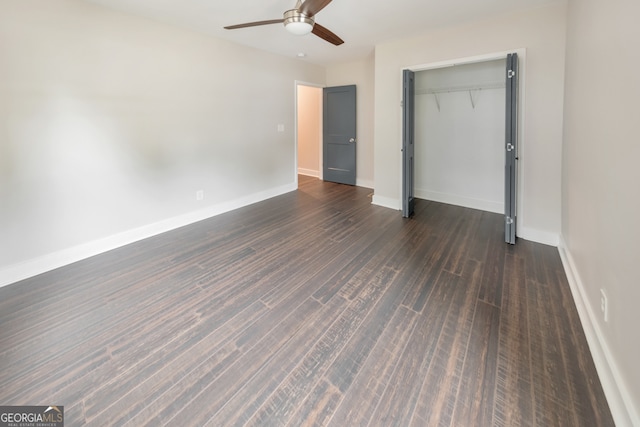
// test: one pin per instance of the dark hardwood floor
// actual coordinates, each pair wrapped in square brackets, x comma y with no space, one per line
[312,308]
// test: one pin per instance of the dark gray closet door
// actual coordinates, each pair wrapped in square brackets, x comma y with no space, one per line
[511,146]
[408,131]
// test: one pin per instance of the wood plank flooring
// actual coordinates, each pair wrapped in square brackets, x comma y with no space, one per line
[312,308]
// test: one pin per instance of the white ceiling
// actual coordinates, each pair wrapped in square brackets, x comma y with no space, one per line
[360,23]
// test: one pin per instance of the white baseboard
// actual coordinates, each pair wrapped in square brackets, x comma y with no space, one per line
[316,174]
[308,172]
[386,202]
[364,183]
[454,199]
[544,237]
[620,402]
[30,268]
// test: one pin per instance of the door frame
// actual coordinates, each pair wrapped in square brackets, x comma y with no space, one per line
[295,130]
[521,113]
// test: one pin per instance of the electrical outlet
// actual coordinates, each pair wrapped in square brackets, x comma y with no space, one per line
[200,195]
[604,305]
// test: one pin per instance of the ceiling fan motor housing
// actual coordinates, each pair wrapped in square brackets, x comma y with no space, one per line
[297,22]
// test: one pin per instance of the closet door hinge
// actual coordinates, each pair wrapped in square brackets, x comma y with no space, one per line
[510,74]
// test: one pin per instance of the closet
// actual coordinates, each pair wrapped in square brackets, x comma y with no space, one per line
[456,134]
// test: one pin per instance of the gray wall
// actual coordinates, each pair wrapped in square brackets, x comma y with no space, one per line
[360,73]
[110,123]
[600,178]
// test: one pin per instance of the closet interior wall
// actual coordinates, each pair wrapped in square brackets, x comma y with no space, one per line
[459,135]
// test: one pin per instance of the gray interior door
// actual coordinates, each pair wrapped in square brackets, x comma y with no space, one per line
[339,134]
[511,148]
[408,131]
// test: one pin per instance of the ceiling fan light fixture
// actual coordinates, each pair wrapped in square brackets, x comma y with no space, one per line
[298,23]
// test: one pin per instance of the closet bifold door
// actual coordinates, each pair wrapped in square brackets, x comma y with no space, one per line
[511,147]
[408,132]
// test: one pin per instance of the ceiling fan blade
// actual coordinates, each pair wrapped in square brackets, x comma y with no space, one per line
[311,7]
[326,34]
[254,24]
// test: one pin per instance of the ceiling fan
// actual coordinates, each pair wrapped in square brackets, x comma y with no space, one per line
[300,21]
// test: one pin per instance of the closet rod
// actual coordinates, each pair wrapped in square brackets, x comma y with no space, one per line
[497,85]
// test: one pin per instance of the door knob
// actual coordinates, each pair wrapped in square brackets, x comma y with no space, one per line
[352,140]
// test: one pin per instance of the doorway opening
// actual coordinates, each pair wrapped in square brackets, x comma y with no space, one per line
[308,130]
[326,132]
